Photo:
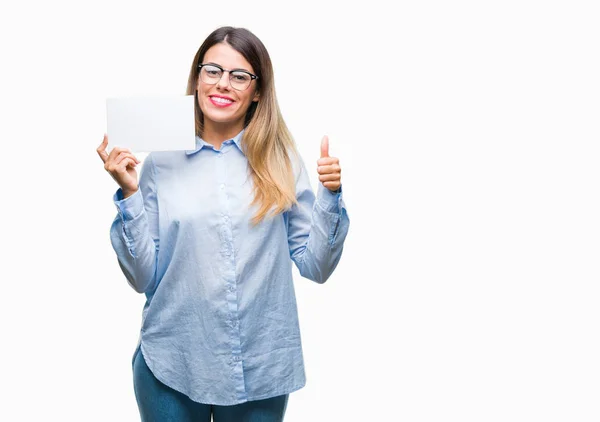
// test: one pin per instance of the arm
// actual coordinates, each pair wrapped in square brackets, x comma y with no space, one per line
[134,231]
[317,229]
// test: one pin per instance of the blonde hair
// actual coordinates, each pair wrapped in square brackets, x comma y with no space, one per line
[267,142]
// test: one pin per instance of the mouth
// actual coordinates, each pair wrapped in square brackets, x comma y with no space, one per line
[220,101]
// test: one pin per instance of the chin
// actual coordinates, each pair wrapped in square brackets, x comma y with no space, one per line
[220,118]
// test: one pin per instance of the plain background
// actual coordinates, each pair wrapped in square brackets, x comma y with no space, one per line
[469,140]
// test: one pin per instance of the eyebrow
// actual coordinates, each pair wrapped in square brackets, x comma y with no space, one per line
[237,68]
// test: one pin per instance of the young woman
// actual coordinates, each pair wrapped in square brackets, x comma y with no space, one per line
[209,236]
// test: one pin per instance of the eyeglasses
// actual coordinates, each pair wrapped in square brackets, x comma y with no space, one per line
[239,79]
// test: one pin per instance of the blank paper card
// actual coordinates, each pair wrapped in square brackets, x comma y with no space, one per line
[145,124]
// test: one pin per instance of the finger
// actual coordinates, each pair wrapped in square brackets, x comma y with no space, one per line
[332,185]
[327,161]
[330,177]
[126,163]
[333,168]
[116,151]
[119,156]
[114,164]
[124,155]
[325,147]
[101,150]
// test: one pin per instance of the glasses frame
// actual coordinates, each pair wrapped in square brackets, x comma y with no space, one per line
[252,76]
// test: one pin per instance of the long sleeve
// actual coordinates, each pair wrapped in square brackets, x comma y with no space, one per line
[134,231]
[317,229]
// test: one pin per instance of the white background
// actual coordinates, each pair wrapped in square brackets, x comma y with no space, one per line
[468,134]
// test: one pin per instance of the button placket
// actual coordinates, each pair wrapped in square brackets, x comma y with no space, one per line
[227,252]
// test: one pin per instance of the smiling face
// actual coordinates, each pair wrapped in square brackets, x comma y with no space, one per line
[223,106]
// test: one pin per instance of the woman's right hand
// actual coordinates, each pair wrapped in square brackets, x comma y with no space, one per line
[120,163]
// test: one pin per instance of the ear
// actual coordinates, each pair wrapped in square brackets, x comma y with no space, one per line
[256,97]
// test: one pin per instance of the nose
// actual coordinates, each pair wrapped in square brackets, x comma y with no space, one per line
[224,81]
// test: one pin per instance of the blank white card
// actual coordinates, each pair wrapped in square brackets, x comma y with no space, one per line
[145,124]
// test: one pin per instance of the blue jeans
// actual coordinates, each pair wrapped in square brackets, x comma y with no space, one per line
[159,403]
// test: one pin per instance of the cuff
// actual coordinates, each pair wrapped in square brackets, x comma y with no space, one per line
[130,207]
[328,200]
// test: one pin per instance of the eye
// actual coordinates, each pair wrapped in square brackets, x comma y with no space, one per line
[212,71]
[240,76]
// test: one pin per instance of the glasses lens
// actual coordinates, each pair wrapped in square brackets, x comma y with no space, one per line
[210,74]
[240,80]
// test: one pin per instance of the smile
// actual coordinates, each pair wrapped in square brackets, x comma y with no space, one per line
[221,102]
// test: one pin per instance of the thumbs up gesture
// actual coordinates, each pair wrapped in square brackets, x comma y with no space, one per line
[330,172]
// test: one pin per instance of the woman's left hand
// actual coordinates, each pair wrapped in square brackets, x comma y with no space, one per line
[330,172]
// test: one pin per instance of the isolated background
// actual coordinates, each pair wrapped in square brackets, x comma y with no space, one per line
[469,140]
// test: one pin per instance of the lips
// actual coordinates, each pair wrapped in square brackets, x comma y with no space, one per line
[220,100]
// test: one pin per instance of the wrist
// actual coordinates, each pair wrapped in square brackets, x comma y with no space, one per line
[128,193]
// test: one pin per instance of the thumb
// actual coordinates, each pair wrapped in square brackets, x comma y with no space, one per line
[325,147]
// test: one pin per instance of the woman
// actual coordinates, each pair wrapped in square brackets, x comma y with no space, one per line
[208,235]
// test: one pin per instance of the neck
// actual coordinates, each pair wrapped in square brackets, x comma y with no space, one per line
[216,133]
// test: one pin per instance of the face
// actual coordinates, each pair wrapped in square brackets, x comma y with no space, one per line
[220,103]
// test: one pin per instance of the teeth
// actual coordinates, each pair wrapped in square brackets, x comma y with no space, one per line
[221,100]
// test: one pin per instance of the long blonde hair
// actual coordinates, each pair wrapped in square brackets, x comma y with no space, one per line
[267,142]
